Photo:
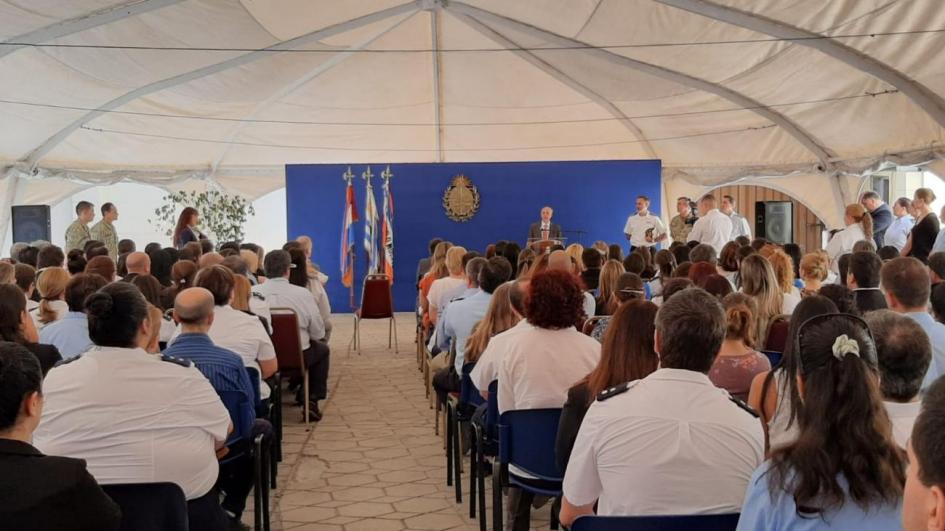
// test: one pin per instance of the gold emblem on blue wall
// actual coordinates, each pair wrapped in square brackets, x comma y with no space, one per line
[461,199]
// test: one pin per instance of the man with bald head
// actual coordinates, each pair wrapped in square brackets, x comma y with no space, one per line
[193,311]
[137,263]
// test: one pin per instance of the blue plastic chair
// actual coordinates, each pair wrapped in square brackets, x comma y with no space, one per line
[150,506]
[773,357]
[485,444]
[459,411]
[526,440]
[273,413]
[242,443]
[700,522]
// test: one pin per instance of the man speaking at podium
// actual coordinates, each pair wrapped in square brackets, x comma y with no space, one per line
[545,229]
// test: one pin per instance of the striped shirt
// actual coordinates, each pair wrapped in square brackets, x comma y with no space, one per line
[223,368]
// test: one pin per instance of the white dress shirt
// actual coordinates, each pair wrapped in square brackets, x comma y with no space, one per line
[487,368]
[245,335]
[902,415]
[842,243]
[638,224]
[279,293]
[60,307]
[898,231]
[322,302]
[443,290]
[540,365]
[740,226]
[714,228]
[134,419]
[671,444]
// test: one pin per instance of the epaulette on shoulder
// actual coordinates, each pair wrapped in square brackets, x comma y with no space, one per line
[615,390]
[744,407]
[177,361]
[63,362]
[259,296]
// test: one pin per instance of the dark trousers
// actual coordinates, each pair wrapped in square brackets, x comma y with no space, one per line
[205,513]
[317,358]
[445,381]
[236,476]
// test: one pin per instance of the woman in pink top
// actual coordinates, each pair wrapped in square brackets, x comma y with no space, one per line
[738,362]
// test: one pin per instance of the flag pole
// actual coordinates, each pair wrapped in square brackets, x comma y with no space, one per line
[348,177]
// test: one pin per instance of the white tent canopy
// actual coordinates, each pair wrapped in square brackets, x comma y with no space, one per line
[794,95]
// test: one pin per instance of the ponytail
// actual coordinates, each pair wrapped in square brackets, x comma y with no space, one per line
[867,223]
[740,316]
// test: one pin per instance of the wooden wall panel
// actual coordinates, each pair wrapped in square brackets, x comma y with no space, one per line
[807,227]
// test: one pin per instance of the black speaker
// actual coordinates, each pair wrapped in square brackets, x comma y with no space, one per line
[774,221]
[31,223]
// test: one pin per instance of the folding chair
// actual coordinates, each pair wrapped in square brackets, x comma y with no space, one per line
[272,413]
[526,441]
[701,522]
[776,336]
[150,506]
[459,410]
[377,302]
[288,346]
[242,443]
[773,357]
[485,444]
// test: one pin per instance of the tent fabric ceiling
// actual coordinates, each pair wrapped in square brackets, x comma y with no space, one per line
[162,91]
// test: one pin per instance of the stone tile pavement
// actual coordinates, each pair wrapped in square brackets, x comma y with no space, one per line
[373,463]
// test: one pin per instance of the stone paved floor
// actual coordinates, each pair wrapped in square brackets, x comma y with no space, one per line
[373,463]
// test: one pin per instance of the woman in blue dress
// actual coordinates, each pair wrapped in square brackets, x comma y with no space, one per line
[844,471]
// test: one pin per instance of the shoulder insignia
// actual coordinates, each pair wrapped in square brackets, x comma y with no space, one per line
[177,361]
[260,296]
[70,360]
[615,390]
[744,407]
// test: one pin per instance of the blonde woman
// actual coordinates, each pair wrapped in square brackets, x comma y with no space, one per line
[923,233]
[445,289]
[7,273]
[609,274]
[759,281]
[252,264]
[51,284]
[437,271]
[575,251]
[784,272]
[859,226]
[499,317]
[813,269]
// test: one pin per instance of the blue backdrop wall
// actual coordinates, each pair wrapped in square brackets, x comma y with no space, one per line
[593,198]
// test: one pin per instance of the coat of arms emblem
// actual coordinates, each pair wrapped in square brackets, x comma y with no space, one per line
[461,199]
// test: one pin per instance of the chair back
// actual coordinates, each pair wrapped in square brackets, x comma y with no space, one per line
[492,411]
[238,404]
[286,339]
[777,336]
[527,440]
[468,394]
[255,380]
[773,357]
[150,506]
[700,522]
[377,302]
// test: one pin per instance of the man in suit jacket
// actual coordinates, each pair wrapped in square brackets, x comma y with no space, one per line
[545,229]
[881,214]
[41,492]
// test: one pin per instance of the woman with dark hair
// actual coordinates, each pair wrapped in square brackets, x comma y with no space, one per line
[186,230]
[16,326]
[841,296]
[844,470]
[738,362]
[717,285]
[75,262]
[627,354]
[182,277]
[161,266]
[298,275]
[793,250]
[700,271]
[665,263]
[511,252]
[151,247]
[102,265]
[774,393]
[615,252]
[728,262]
[922,237]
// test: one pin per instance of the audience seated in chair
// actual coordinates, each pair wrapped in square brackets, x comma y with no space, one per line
[447,288]
[71,333]
[863,279]
[541,361]
[144,418]
[629,288]
[51,285]
[923,506]
[630,458]
[494,347]
[844,470]
[738,362]
[17,327]
[904,353]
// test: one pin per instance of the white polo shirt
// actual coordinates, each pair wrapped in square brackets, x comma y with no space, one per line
[443,290]
[673,443]
[134,419]
[714,228]
[280,293]
[245,335]
[540,365]
[637,225]
[486,369]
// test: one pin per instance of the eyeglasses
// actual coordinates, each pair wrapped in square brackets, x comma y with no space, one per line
[805,327]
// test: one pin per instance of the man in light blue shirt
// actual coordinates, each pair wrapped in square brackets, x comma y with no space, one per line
[463,316]
[907,285]
[473,267]
[70,333]
[898,231]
